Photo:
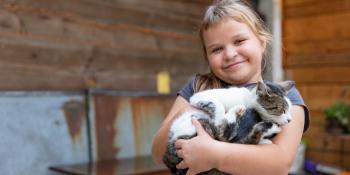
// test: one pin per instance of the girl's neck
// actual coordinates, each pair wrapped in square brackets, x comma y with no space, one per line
[251,81]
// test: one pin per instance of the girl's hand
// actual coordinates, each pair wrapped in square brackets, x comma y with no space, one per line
[198,153]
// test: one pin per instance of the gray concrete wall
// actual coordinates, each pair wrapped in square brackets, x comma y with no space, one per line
[35,132]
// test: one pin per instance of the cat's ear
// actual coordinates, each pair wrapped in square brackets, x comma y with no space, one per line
[286,85]
[261,89]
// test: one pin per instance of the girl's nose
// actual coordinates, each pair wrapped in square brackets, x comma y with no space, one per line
[230,53]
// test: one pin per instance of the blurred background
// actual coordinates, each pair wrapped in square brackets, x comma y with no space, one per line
[85,84]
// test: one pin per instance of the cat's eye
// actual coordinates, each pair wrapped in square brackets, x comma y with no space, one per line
[268,93]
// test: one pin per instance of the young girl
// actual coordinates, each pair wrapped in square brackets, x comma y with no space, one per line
[234,42]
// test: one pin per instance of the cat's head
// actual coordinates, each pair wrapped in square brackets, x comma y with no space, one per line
[273,99]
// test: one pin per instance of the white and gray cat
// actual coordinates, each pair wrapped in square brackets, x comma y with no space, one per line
[235,115]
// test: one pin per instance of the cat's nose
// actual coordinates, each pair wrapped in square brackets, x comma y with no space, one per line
[288,120]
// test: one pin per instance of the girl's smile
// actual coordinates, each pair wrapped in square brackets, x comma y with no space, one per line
[234,66]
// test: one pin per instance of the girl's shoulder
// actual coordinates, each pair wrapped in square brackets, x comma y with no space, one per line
[188,89]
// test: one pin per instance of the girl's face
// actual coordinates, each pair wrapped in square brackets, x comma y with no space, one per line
[234,52]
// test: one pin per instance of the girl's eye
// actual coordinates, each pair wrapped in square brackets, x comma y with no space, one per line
[239,41]
[216,50]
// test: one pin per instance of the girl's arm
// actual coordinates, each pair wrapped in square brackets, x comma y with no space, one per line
[161,137]
[233,158]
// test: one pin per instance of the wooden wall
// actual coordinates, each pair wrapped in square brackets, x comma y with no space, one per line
[109,44]
[316,38]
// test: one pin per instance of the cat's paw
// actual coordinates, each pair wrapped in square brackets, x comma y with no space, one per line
[240,110]
[270,130]
[284,119]
[274,129]
[234,113]
[265,141]
[206,106]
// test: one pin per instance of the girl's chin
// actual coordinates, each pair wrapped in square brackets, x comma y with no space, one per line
[236,73]
[240,79]
[236,80]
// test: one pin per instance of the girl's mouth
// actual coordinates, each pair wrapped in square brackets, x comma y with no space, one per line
[234,65]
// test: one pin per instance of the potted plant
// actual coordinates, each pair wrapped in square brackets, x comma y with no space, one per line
[338,118]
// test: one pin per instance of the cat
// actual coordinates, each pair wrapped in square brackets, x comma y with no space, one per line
[235,115]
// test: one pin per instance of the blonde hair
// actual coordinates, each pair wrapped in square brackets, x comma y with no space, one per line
[240,12]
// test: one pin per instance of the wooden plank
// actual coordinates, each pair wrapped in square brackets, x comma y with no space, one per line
[28,52]
[23,78]
[29,78]
[316,59]
[123,60]
[317,53]
[319,96]
[318,47]
[314,132]
[325,142]
[94,33]
[193,8]
[316,125]
[305,8]
[346,145]
[329,158]
[329,46]
[133,82]
[320,75]
[317,117]
[346,161]
[43,68]
[288,3]
[85,48]
[122,36]
[87,66]
[299,29]
[138,13]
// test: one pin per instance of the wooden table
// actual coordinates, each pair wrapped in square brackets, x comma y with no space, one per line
[140,165]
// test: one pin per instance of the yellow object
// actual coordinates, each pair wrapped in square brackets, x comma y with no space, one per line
[163,82]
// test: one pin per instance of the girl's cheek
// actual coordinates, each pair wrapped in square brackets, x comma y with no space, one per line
[215,59]
[211,57]
[213,62]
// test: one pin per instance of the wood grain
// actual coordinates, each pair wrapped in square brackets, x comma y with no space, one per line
[316,55]
[121,45]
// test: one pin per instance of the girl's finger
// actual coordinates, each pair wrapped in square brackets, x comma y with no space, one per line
[199,128]
[181,165]
[190,172]
[178,143]
[179,153]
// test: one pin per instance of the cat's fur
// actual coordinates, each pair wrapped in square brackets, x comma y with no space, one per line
[239,115]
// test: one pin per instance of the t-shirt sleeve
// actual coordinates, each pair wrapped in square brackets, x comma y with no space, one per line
[187,91]
[296,99]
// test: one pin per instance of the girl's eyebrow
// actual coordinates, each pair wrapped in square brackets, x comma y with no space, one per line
[209,47]
[239,35]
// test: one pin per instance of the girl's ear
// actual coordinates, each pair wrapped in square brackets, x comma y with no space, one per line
[263,45]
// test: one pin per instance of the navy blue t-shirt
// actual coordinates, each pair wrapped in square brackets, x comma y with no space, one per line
[187,91]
